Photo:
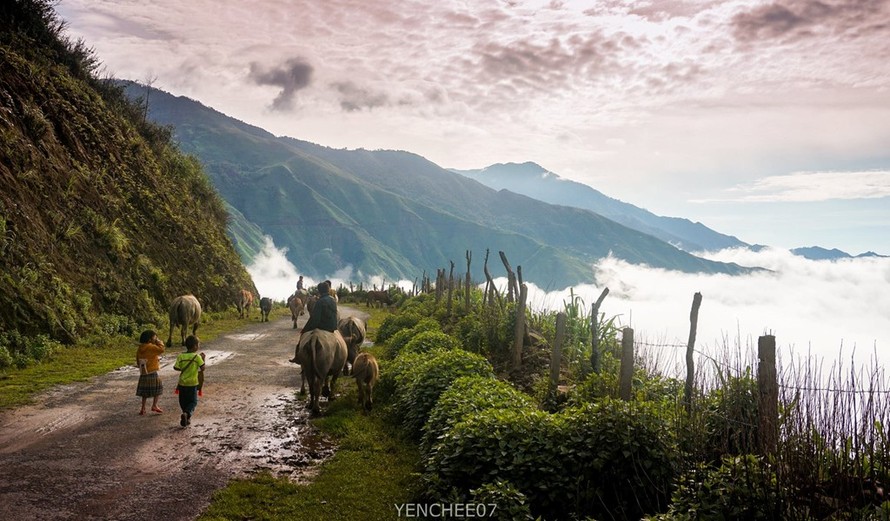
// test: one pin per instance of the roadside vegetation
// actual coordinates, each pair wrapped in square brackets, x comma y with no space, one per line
[486,434]
[35,364]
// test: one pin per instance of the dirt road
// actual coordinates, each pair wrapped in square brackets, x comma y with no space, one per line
[83,452]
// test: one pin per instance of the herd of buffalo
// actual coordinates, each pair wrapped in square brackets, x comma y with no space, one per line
[322,355]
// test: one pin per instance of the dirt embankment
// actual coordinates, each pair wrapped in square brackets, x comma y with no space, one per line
[83,452]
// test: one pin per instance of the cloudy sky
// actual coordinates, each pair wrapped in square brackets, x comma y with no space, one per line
[768,120]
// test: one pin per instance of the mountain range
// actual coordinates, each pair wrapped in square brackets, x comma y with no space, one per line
[393,213]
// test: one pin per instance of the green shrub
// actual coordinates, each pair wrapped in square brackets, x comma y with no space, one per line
[611,460]
[396,374]
[521,446]
[467,395]
[439,369]
[731,418]
[6,359]
[511,504]
[399,340]
[21,351]
[392,324]
[623,456]
[429,341]
[743,487]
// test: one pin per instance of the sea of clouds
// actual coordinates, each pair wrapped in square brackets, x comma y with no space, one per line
[827,311]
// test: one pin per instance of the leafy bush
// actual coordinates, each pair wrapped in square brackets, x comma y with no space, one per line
[438,370]
[743,487]
[392,324]
[429,341]
[512,505]
[731,417]
[396,374]
[399,340]
[21,351]
[467,395]
[612,460]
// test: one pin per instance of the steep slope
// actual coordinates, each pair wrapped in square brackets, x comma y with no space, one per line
[535,181]
[100,216]
[394,213]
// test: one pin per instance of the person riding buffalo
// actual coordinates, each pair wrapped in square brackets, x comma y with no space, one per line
[323,316]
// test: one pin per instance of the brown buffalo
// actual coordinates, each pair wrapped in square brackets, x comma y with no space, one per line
[379,296]
[310,303]
[353,331]
[366,373]
[322,355]
[245,300]
[184,312]
[295,304]
[265,309]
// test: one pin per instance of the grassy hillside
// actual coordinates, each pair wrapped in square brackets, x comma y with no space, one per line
[395,213]
[102,219]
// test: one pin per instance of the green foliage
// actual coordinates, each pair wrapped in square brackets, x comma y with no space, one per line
[430,378]
[743,487]
[611,460]
[730,417]
[20,351]
[398,341]
[468,395]
[392,324]
[427,341]
[101,213]
[512,505]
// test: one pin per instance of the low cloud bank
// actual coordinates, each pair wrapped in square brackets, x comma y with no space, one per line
[823,309]
[276,277]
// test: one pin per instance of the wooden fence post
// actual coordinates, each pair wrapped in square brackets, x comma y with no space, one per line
[556,353]
[594,332]
[625,384]
[469,281]
[519,328]
[768,384]
[450,287]
[511,278]
[690,347]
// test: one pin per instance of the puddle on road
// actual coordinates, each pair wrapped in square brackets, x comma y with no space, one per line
[291,446]
[246,337]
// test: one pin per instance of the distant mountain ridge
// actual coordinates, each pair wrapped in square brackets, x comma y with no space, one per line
[393,213]
[818,253]
[535,181]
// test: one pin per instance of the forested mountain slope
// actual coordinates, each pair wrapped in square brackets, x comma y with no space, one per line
[102,219]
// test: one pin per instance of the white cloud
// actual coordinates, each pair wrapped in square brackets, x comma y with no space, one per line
[810,306]
[812,186]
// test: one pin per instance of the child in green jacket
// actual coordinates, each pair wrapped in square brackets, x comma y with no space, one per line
[191,368]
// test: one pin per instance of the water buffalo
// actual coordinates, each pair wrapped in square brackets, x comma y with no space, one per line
[184,312]
[310,303]
[353,331]
[366,373]
[322,355]
[379,296]
[245,300]
[265,308]
[295,304]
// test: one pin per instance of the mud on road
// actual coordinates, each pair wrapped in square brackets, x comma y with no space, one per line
[83,452]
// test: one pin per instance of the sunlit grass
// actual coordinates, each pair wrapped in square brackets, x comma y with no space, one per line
[373,470]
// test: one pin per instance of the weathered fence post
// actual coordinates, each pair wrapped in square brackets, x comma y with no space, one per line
[519,328]
[594,332]
[450,286]
[511,278]
[625,384]
[556,353]
[469,281]
[690,347]
[768,384]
